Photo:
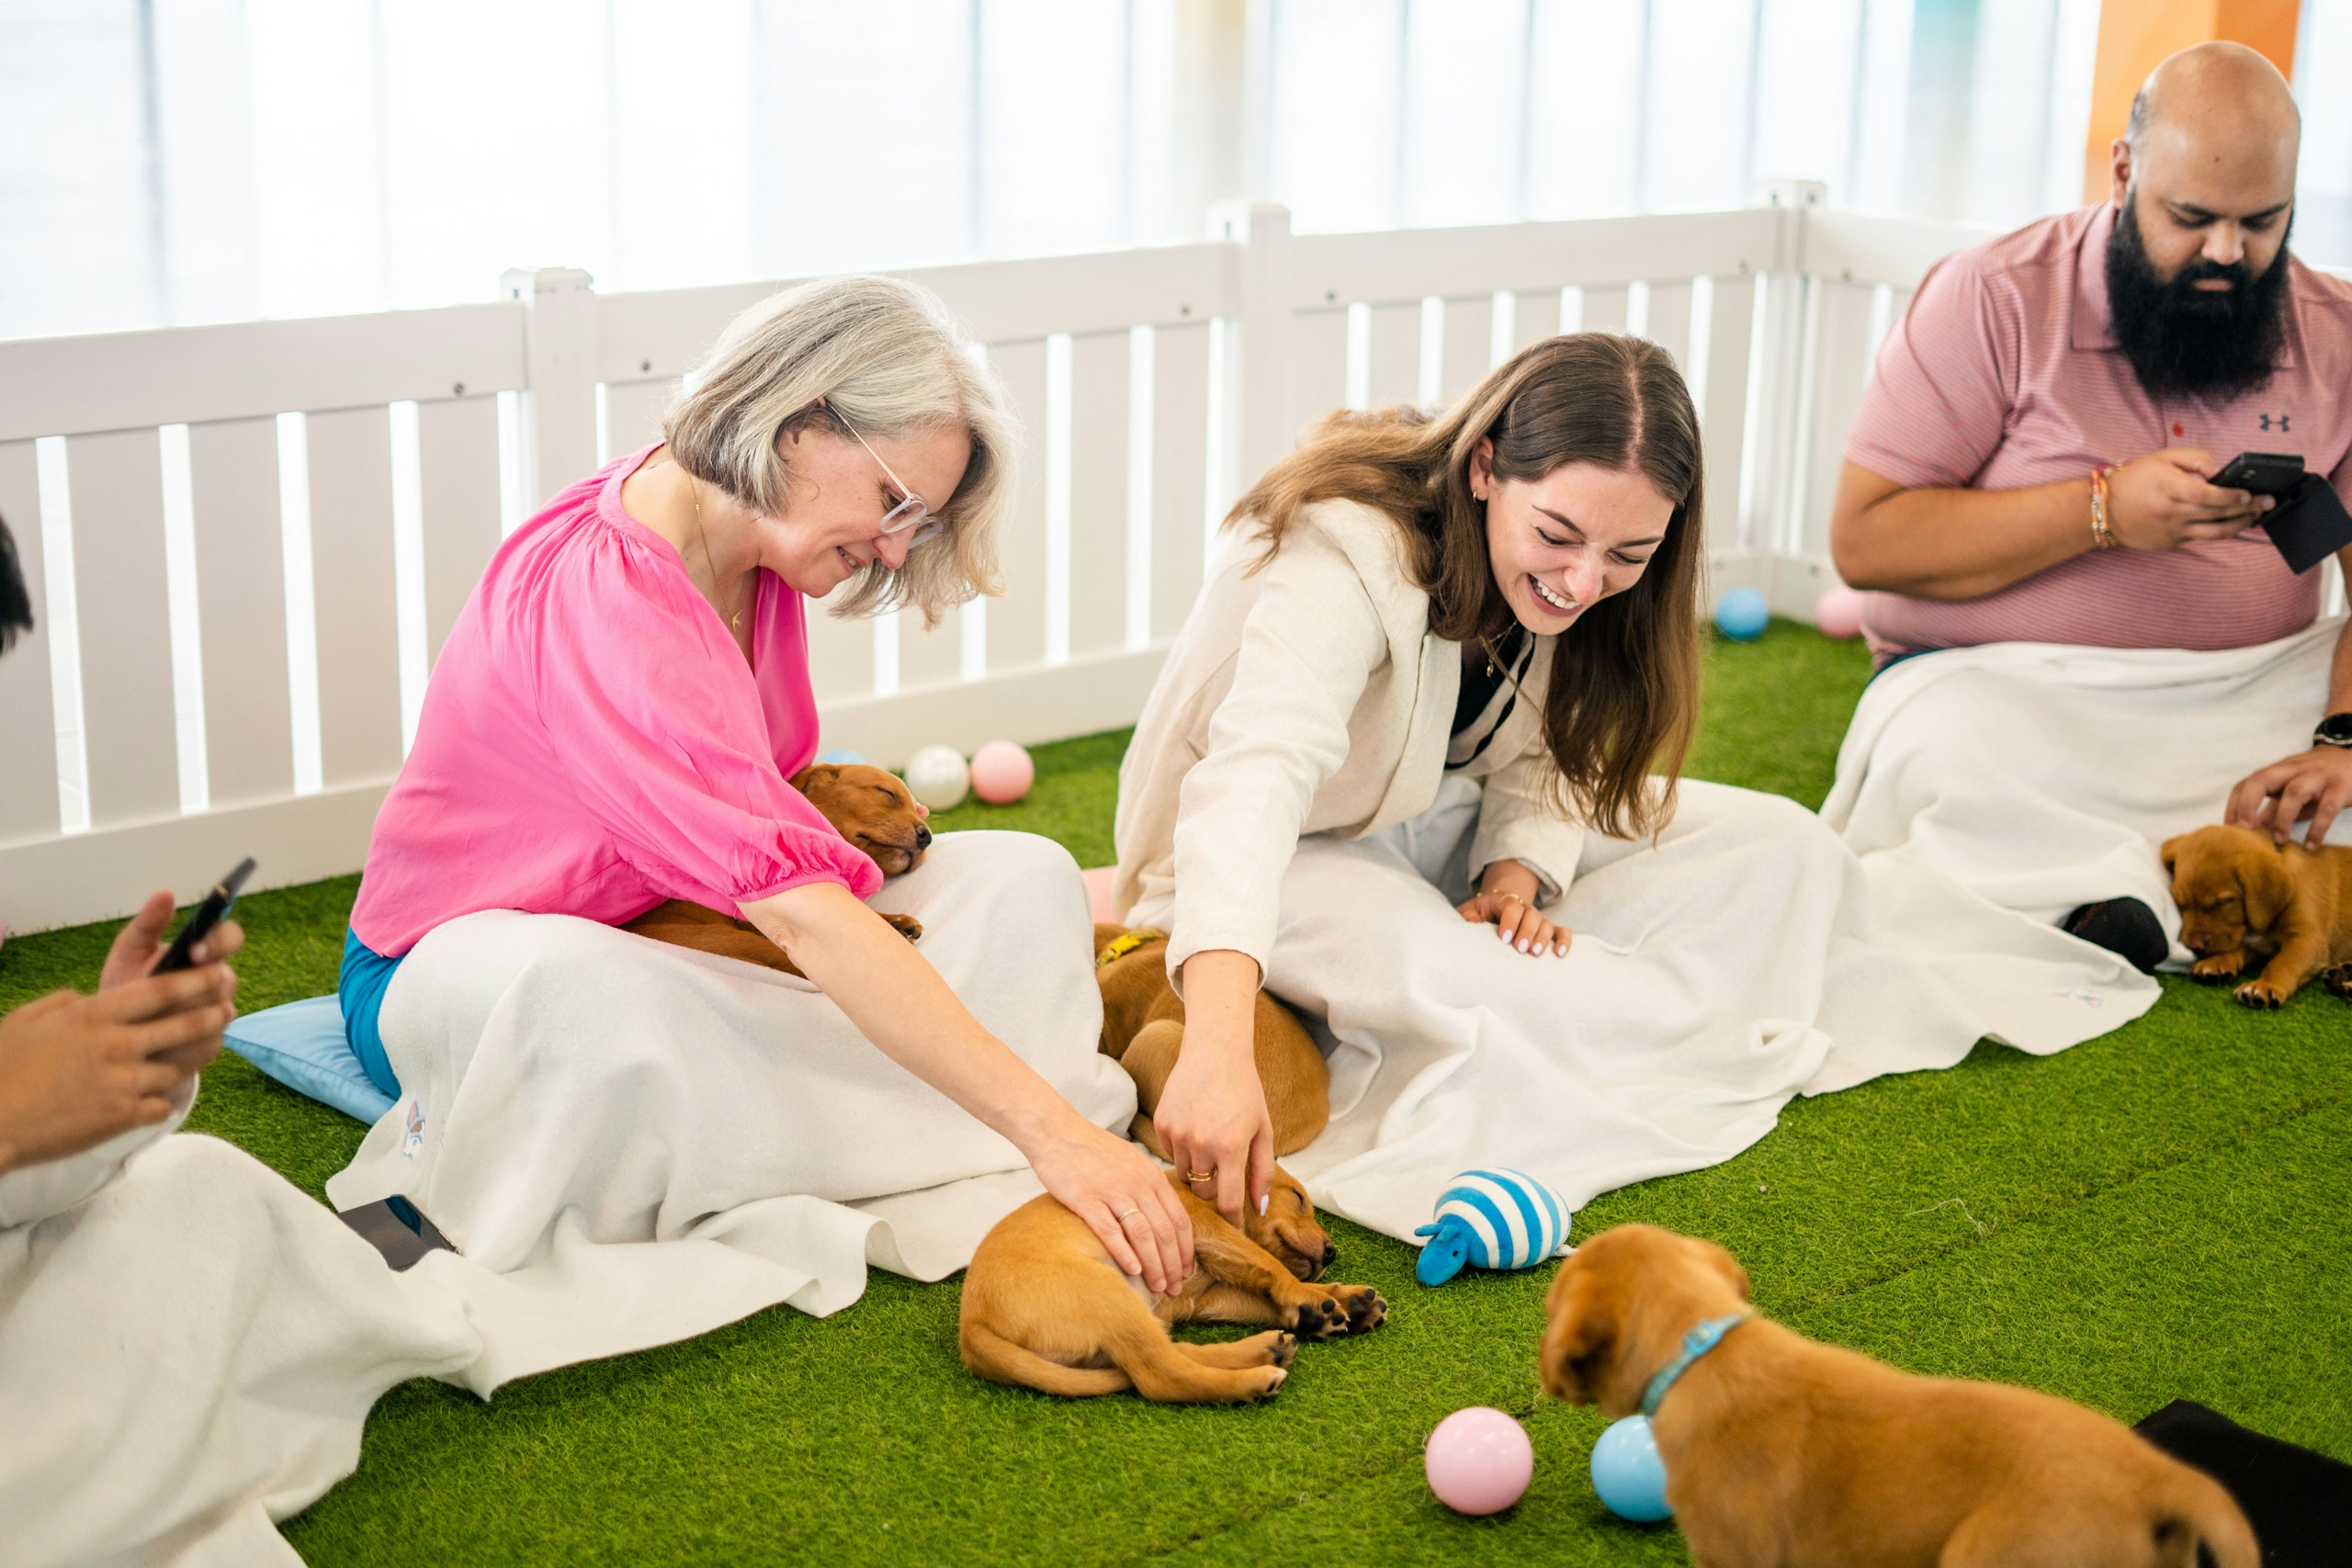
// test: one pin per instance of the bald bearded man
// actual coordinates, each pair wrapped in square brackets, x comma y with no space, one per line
[2028,484]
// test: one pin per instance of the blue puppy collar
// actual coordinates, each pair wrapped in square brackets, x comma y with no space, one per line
[1695,1344]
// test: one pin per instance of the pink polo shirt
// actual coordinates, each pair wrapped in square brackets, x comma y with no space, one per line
[593,742]
[2004,373]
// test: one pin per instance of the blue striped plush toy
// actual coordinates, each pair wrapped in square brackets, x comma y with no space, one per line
[1495,1219]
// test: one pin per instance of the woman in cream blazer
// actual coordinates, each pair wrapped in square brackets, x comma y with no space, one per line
[1538,545]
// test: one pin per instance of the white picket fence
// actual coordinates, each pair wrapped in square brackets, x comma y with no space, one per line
[247,542]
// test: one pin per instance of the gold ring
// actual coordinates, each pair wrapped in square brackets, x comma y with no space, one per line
[1200,1176]
[1124,1213]
[1513,896]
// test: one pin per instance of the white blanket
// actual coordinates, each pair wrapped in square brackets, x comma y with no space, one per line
[2041,777]
[188,1347]
[630,1144]
[1744,959]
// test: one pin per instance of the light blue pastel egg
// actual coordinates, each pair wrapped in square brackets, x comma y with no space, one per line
[1628,1473]
[1741,615]
[842,757]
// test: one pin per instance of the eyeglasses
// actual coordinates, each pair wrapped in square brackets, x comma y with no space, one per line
[912,512]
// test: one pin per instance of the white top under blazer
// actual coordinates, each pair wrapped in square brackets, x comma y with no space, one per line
[1311,697]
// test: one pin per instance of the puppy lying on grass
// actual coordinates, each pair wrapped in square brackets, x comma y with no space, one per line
[1782,1453]
[870,807]
[2242,898]
[1044,1305]
[1143,1030]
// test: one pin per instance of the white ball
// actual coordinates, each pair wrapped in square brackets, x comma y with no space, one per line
[938,776]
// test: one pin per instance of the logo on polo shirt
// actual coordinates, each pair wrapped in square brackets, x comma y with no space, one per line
[2279,417]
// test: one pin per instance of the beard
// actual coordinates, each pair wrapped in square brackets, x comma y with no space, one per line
[2182,339]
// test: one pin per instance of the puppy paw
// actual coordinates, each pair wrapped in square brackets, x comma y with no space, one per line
[2338,980]
[1283,1350]
[2259,994]
[1272,1379]
[906,926]
[1319,1318]
[1366,1310]
[2221,966]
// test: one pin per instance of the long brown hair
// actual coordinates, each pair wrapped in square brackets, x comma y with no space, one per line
[1623,694]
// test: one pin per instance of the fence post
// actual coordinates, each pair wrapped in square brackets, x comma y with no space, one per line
[1258,365]
[1773,480]
[559,401]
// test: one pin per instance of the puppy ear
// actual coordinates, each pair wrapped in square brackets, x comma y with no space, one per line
[1577,1342]
[1573,1360]
[2171,852]
[2268,890]
[815,773]
[1729,1267]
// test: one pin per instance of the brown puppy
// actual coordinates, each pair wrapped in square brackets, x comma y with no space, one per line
[1045,1306]
[1143,1030]
[2242,898]
[870,807]
[1782,1453]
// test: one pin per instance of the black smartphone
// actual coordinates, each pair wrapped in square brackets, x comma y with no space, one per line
[2263,473]
[209,914]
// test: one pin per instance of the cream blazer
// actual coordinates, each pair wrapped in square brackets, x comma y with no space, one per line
[1311,697]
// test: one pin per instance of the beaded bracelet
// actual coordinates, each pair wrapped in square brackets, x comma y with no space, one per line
[2102,536]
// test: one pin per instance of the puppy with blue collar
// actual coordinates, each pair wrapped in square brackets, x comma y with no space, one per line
[1784,1453]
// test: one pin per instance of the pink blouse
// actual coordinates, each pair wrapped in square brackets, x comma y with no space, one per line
[592,741]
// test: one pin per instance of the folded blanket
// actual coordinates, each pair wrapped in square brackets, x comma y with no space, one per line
[2041,777]
[1743,958]
[188,1355]
[630,1144]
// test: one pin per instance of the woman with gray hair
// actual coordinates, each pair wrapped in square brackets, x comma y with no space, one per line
[613,721]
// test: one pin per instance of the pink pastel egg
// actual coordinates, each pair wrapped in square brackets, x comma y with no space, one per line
[1478,1460]
[1002,772]
[1838,612]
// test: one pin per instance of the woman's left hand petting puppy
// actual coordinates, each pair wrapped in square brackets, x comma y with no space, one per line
[1506,900]
[1040,1310]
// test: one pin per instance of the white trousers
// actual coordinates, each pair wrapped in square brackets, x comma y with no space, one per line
[2041,777]
[631,1143]
[188,1355]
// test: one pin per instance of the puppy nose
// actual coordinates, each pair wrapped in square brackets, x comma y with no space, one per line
[1329,1252]
[922,837]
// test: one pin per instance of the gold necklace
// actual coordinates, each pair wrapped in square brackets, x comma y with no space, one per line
[694,490]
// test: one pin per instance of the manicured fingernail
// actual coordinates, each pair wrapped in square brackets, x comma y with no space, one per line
[1261,1204]
[1524,948]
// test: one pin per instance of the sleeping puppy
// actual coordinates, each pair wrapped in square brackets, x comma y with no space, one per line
[1143,1030]
[2242,898]
[1044,1305]
[1782,1453]
[870,807]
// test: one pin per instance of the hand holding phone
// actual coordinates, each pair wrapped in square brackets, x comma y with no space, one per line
[2261,473]
[209,914]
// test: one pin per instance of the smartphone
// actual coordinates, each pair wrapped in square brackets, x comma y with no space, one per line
[217,904]
[2264,473]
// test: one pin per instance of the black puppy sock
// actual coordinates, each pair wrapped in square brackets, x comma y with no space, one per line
[2125,927]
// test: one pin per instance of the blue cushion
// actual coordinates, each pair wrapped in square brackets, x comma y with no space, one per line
[302,1046]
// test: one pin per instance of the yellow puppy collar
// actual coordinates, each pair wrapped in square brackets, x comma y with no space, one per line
[1122,945]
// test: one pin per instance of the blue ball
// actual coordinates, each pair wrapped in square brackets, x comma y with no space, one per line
[1628,1473]
[841,756]
[1741,614]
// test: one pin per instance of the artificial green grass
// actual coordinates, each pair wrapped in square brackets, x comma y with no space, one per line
[2154,1214]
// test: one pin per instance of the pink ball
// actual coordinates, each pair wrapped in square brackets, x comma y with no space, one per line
[1002,772]
[1838,612]
[1478,1460]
